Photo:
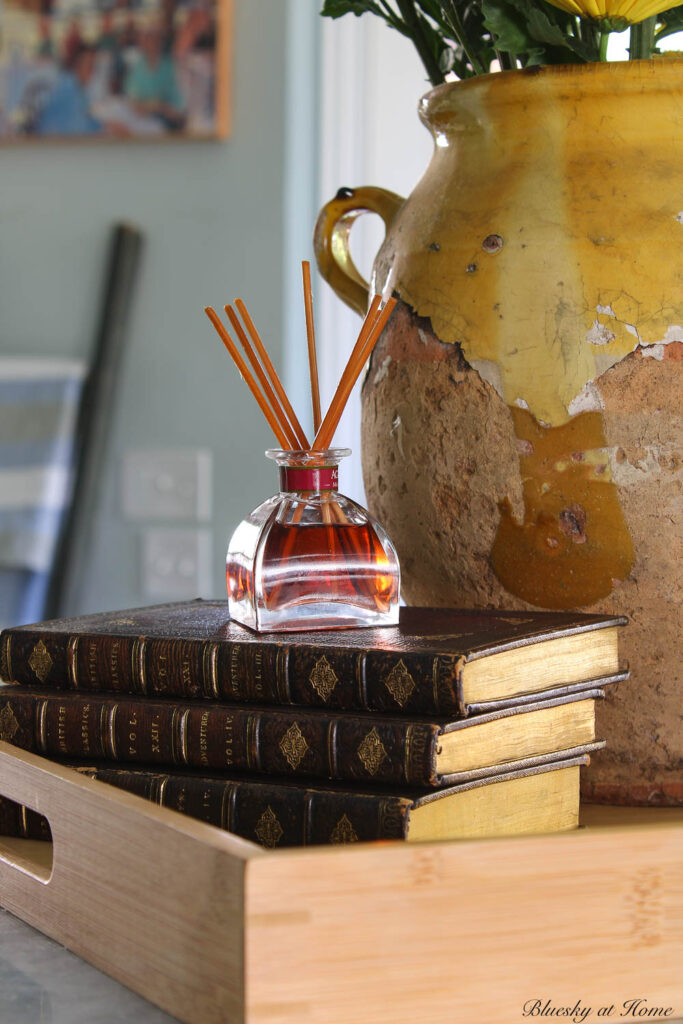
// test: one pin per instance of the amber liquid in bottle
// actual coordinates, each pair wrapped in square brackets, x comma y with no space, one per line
[348,558]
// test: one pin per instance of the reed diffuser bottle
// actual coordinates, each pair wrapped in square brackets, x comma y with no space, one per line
[308,558]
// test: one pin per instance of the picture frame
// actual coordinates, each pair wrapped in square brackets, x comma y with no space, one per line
[115,70]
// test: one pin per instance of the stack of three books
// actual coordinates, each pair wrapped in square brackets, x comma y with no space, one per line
[455,724]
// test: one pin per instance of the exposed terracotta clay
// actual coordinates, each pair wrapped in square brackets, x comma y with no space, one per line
[441,456]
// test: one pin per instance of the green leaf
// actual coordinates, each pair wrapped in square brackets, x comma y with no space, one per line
[549,29]
[507,27]
[338,8]
[669,22]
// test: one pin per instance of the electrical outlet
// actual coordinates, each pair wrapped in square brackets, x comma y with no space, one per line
[176,563]
[167,483]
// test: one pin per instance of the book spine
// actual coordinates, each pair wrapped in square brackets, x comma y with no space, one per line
[258,672]
[272,815]
[210,736]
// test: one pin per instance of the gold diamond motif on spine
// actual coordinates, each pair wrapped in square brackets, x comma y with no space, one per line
[268,829]
[9,726]
[343,832]
[371,752]
[40,661]
[323,678]
[400,683]
[293,745]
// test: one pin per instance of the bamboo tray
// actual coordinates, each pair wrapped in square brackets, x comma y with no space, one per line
[215,929]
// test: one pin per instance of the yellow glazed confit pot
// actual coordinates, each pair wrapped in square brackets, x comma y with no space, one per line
[522,412]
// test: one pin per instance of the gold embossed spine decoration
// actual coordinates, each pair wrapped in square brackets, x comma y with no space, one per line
[283,688]
[400,683]
[371,751]
[41,727]
[323,678]
[253,760]
[268,830]
[332,749]
[110,733]
[182,730]
[9,725]
[72,660]
[343,831]
[293,746]
[361,681]
[210,674]
[40,661]
[420,753]
[227,803]
[138,663]
[160,790]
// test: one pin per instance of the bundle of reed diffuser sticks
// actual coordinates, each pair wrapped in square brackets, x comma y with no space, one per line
[271,395]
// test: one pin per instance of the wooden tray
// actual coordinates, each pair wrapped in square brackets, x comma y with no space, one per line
[215,929]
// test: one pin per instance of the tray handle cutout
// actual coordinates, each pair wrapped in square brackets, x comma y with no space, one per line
[26,841]
[22,786]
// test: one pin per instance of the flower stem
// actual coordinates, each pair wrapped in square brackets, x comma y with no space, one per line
[412,20]
[458,29]
[604,40]
[642,39]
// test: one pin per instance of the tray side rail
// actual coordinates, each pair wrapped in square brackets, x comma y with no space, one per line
[471,931]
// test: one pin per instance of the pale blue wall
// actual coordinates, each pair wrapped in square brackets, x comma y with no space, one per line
[214,219]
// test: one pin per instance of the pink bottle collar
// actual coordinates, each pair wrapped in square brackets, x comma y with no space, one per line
[309,478]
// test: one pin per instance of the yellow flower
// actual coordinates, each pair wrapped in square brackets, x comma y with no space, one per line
[627,11]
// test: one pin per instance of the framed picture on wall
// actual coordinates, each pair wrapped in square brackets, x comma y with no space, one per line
[114,69]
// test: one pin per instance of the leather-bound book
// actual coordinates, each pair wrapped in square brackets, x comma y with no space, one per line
[277,813]
[311,743]
[435,662]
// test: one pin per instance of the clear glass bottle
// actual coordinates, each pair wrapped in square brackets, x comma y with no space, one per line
[309,558]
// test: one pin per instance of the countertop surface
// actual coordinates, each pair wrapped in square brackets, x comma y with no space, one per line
[43,983]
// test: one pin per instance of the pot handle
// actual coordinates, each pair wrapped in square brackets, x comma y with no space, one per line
[331,239]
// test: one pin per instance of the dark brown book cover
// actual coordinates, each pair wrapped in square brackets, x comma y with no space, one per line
[192,650]
[274,813]
[272,741]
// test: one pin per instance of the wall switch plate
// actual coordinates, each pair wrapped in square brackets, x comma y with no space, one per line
[167,483]
[176,563]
